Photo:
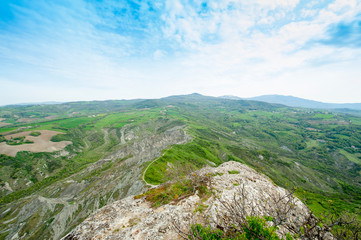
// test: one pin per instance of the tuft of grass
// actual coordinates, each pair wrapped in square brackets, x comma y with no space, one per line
[201,207]
[167,193]
[233,172]
[218,174]
[178,190]
[133,221]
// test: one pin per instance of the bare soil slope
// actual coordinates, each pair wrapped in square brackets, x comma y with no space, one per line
[41,143]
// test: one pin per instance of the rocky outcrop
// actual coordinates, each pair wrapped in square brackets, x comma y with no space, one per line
[232,183]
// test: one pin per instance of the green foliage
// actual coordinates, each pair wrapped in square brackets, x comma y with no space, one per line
[205,233]
[35,134]
[253,228]
[201,207]
[61,137]
[233,172]
[316,151]
[187,184]
[257,228]
[18,141]
[168,192]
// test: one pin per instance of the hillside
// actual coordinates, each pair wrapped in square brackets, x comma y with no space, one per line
[304,103]
[121,148]
[139,217]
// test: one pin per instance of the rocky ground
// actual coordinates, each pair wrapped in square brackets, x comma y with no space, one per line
[231,183]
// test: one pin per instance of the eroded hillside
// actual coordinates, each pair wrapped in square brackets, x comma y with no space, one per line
[232,191]
[56,209]
[45,195]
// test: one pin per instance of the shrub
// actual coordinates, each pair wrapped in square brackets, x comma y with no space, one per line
[184,185]
[35,134]
[254,228]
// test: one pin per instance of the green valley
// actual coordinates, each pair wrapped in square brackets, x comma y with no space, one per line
[115,143]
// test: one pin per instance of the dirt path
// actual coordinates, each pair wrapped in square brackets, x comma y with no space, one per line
[148,184]
[151,185]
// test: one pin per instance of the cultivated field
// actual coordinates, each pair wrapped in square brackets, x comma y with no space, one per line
[41,143]
[2,124]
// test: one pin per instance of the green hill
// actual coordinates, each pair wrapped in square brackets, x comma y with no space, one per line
[315,151]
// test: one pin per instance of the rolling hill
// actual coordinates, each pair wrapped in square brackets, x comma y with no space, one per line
[304,103]
[122,147]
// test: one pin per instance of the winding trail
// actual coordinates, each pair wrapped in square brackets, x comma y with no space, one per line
[143,176]
[148,184]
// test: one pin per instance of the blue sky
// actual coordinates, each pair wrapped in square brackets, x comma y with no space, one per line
[72,50]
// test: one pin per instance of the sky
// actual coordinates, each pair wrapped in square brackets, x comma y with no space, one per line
[70,50]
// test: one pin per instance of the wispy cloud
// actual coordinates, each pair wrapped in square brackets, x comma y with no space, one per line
[126,49]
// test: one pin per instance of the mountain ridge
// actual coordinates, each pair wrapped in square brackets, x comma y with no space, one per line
[292,101]
[135,217]
[116,144]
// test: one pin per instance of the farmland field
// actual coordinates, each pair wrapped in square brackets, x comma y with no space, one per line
[315,152]
[41,143]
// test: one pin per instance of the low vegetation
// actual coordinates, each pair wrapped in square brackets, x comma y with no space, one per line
[182,186]
[18,141]
[316,151]
[253,228]
[35,134]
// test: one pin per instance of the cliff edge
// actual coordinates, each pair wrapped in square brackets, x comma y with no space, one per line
[234,190]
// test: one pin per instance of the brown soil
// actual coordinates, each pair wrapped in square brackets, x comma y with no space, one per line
[342,122]
[51,117]
[25,120]
[41,143]
[4,124]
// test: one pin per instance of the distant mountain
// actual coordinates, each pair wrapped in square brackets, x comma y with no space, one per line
[34,103]
[231,97]
[305,103]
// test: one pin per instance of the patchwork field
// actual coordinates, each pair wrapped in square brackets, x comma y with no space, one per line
[40,143]
[2,124]
[313,152]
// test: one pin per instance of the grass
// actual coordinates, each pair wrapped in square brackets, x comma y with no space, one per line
[118,120]
[174,191]
[324,116]
[222,130]
[35,134]
[200,208]
[167,193]
[196,153]
[351,156]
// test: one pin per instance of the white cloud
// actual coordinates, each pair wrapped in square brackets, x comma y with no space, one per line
[235,47]
[273,4]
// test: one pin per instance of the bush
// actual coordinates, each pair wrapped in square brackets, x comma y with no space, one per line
[185,184]
[35,134]
[254,228]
